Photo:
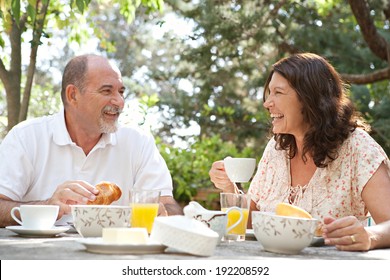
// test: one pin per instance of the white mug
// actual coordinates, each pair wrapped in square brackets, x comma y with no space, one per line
[239,170]
[37,217]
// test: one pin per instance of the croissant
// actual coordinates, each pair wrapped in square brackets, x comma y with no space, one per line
[108,193]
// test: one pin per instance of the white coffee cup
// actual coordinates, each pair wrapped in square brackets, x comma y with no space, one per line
[36,216]
[239,170]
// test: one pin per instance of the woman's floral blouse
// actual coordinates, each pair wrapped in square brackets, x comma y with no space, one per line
[332,191]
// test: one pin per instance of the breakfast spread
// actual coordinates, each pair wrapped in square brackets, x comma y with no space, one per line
[108,193]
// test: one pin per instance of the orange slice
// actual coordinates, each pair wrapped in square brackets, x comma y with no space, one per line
[285,209]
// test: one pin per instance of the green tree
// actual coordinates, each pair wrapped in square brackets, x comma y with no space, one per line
[33,20]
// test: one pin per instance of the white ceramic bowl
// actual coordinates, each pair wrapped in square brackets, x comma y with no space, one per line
[184,234]
[281,234]
[89,220]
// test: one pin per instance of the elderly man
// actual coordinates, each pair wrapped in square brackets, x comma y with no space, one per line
[58,159]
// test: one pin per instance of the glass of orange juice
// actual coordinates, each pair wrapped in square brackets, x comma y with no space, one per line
[241,201]
[144,204]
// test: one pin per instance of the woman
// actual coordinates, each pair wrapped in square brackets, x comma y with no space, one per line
[320,157]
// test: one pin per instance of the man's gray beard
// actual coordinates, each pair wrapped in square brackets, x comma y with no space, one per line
[106,127]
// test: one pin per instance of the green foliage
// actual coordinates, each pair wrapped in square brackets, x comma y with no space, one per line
[149,100]
[45,100]
[189,167]
[128,8]
[15,8]
[80,4]
[373,101]
[361,97]
[380,117]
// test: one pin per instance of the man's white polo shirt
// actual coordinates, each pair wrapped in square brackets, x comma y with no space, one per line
[38,155]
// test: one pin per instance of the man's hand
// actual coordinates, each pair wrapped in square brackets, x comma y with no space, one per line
[72,192]
[169,206]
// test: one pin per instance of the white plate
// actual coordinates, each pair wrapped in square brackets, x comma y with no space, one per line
[37,232]
[96,245]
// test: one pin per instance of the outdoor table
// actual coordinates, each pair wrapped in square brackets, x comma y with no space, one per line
[65,247]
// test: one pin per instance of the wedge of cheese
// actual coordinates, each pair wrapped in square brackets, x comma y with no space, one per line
[136,236]
[285,209]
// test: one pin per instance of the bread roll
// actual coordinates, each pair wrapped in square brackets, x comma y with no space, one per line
[108,193]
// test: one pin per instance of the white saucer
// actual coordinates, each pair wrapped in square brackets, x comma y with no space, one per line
[37,232]
[96,245]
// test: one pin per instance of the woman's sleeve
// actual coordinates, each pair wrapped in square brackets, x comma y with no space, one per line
[367,156]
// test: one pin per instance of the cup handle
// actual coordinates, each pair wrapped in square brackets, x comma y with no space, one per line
[239,219]
[14,216]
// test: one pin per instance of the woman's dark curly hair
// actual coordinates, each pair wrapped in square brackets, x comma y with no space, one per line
[327,109]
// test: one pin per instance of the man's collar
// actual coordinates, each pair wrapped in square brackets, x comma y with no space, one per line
[62,138]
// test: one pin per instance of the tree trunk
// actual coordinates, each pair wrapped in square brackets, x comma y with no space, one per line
[14,76]
[375,41]
[363,79]
[38,26]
